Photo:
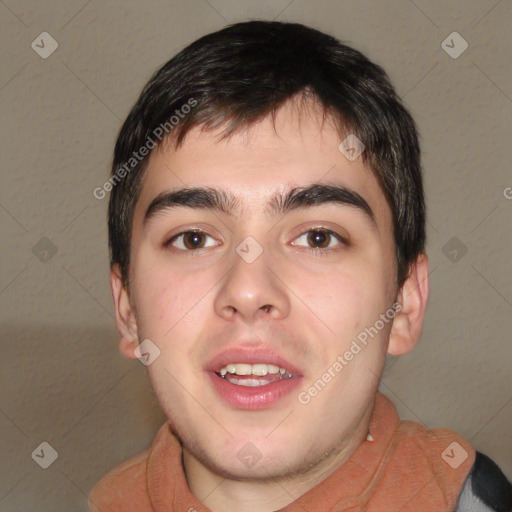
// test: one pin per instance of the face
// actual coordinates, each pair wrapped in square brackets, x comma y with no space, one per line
[263,285]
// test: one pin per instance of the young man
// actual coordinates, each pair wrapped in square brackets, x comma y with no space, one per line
[267,236]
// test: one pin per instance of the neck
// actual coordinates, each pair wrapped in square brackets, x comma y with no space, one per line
[226,494]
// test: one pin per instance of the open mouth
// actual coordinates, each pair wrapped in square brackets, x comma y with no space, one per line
[253,375]
[253,386]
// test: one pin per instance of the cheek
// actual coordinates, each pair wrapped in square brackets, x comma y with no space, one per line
[345,299]
[163,298]
[341,303]
[171,304]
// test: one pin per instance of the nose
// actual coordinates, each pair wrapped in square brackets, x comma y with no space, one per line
[252,290]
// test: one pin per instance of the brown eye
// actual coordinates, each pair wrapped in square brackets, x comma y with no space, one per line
[191,240]
[319,239]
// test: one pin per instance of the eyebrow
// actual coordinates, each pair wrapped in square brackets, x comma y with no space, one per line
[210,198]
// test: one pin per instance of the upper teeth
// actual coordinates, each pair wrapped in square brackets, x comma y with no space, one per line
[251,369]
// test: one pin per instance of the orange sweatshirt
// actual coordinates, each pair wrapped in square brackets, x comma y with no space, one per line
[406,468]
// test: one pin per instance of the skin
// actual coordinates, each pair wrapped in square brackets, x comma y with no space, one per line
[192,307]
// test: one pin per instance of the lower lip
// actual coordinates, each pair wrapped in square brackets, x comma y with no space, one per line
[258,397]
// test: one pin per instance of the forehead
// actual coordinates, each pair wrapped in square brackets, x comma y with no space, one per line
[254,164]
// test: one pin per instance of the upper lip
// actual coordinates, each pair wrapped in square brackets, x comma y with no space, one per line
[250,355]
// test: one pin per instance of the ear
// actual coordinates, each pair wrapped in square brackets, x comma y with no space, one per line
[412,297]
[125,317]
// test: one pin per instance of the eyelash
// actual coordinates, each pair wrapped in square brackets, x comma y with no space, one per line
[323,251]
[316,251]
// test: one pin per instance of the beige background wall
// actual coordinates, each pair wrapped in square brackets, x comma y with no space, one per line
[62,379]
